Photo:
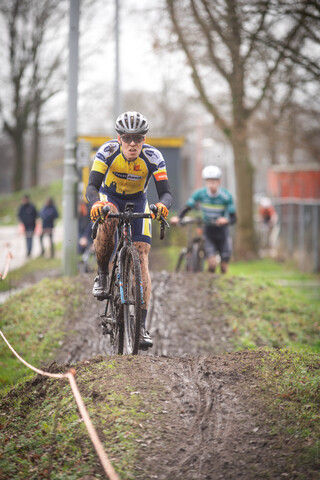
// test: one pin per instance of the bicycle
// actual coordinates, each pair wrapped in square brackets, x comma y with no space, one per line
[122,315]
[192,256]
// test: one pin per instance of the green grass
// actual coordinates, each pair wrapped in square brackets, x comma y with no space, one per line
[43,435]
[28,269]
[264,312]
[9,204]
[291,382]
[34,325]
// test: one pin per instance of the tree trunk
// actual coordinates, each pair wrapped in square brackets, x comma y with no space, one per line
[245,244]
[18,169]
[35,153]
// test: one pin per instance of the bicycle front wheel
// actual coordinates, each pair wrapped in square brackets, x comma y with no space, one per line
[132,286]
[197,257]
[114,316]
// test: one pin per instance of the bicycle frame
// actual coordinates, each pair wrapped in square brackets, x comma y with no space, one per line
[121,304]
[193,253]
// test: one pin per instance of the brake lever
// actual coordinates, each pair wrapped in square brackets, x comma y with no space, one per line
[154,210]
[163,221]
[94,228]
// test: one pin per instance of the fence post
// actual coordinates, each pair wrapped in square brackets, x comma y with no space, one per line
[290,227]
[315,237]
[301,236]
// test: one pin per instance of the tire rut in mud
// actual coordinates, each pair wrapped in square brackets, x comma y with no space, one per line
[213,428]
[184,318]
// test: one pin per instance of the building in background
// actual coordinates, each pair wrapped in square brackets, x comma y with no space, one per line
[295,192]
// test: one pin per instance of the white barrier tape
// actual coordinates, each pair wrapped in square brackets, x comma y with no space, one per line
[106,464]
[6,267]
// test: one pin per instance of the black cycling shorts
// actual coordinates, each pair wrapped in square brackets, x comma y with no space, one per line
[217,241]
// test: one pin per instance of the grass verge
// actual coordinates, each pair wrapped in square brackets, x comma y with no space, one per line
[43,436]
[269,304]
[34,324]
[291,382]
[29,271]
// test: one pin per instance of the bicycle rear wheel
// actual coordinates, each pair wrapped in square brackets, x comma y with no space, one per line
[132,286]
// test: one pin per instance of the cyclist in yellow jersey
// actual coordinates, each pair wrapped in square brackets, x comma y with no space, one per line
[120,173]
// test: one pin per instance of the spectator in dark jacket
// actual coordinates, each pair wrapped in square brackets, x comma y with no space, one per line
[85,226]
[48,215]
[27,214]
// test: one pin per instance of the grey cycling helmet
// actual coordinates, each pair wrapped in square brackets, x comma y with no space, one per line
[132,122]
[211,171]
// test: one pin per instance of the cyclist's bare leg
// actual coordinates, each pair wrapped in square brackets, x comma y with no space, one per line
[143,250]
[212,263]
[105,242]
[224,267]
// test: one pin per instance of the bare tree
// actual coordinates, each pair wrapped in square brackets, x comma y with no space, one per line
[243,46]
[30,76]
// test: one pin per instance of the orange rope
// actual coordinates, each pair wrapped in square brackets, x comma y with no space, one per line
[70,375]
[6,267]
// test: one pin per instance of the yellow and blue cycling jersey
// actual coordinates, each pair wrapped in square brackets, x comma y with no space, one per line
[129,179]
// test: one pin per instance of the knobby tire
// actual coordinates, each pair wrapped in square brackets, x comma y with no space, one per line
[182,257]
[133,296]
[197,256]
[115,311]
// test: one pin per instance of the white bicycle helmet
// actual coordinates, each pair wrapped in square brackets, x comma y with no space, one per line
[131,122]
[211,171]
[265,202]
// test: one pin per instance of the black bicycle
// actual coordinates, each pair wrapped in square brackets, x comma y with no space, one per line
[122,315]
[191,257]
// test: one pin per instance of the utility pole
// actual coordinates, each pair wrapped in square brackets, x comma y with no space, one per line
[70,176]
[117,90]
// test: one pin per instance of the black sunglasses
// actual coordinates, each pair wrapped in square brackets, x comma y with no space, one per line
[136,138]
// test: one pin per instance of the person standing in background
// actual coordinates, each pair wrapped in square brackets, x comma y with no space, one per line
[48,215]
[27,215]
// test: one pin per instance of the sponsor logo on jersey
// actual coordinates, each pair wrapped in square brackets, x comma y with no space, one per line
[136,168]
[110,148]
[161,176]
[127,176]
[120,175]
[100,156]
[134,177]
[151,153]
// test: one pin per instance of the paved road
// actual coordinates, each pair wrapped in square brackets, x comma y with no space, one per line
[12,240]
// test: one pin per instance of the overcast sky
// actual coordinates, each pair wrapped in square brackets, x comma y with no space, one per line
[141,68]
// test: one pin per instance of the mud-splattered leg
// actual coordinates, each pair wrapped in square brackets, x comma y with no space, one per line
[143,250]
[104,242]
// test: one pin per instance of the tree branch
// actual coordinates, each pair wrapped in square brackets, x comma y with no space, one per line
[196,78]
[211,47]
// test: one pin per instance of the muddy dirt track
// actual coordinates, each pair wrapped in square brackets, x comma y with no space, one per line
[183,319]
[214,424]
